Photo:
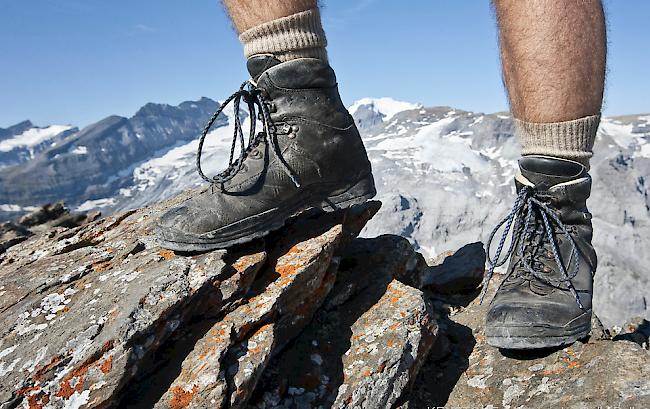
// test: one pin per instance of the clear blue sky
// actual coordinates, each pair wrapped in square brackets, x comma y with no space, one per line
[77,61]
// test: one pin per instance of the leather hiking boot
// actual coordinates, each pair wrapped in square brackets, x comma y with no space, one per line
[308,155]
[545,299]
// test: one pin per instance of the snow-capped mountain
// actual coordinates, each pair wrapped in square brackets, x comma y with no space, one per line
[21,142]
[98,161]
[444,176]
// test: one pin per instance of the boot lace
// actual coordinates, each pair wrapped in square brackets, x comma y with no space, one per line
[258,106]
[532,223]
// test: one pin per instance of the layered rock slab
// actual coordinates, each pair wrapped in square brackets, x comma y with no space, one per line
[82,308]
[223,368]
[366,344]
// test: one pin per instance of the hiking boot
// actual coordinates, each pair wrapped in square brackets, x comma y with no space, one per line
[308,155]
[545,299]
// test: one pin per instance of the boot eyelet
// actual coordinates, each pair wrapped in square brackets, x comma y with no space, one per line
[291,135]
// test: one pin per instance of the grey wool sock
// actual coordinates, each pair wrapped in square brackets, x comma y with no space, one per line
[299,35]
[572,140]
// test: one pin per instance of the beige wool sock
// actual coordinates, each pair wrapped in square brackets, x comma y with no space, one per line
[299,35]
[572,140]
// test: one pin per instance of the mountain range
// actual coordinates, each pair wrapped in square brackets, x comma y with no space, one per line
[444,175]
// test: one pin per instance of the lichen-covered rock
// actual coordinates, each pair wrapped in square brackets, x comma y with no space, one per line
[365,346]
[82,308]
[100,316]
[225,364]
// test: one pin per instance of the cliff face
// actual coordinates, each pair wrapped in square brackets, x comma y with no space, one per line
[99,316]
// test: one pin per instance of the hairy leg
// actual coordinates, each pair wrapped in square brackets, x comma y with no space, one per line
[553,57]
[246,14]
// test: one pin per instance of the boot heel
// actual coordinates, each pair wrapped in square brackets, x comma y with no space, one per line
[360,192]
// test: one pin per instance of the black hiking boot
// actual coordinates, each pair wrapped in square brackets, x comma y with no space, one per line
[308,155]
[545,299]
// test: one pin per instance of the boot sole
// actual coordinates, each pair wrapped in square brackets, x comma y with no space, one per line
[535,337]
[259,225]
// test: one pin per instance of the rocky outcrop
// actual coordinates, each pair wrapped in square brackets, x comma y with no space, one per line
[605,370]
[365,345]
[99,316]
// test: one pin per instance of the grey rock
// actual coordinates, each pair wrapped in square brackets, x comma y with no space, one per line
[459,271]
[99,316]
[364,347]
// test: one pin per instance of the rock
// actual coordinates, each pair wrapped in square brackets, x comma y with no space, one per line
[43,215]
[99,316]
[40,220]
[225,364]
[460,271]
[365,346]
[80,315]
[596,372]
[636,330]
[11,234]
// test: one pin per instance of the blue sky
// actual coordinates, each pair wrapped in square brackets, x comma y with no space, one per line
[77,61]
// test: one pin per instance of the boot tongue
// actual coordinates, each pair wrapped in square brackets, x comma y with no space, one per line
[257,64]
[545,172]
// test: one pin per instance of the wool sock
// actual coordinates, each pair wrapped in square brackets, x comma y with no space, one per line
[299,35]
[572,140]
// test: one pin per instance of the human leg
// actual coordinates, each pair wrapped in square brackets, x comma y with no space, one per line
[553,56]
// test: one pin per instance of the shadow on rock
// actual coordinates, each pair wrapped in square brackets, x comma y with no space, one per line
[372,333]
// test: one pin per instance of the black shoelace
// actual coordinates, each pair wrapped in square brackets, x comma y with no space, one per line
[255,100]
[524,221]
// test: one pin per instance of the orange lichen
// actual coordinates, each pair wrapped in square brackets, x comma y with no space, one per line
[286,270]
[106,365]
[40,373]
[571,364]
[36,400]
[181,398]
[243,264]
[101,266]
[294,250]
[66,388]
[167,254]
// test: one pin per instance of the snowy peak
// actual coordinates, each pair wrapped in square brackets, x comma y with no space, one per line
[23,141]
[630,133]
[369,112]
